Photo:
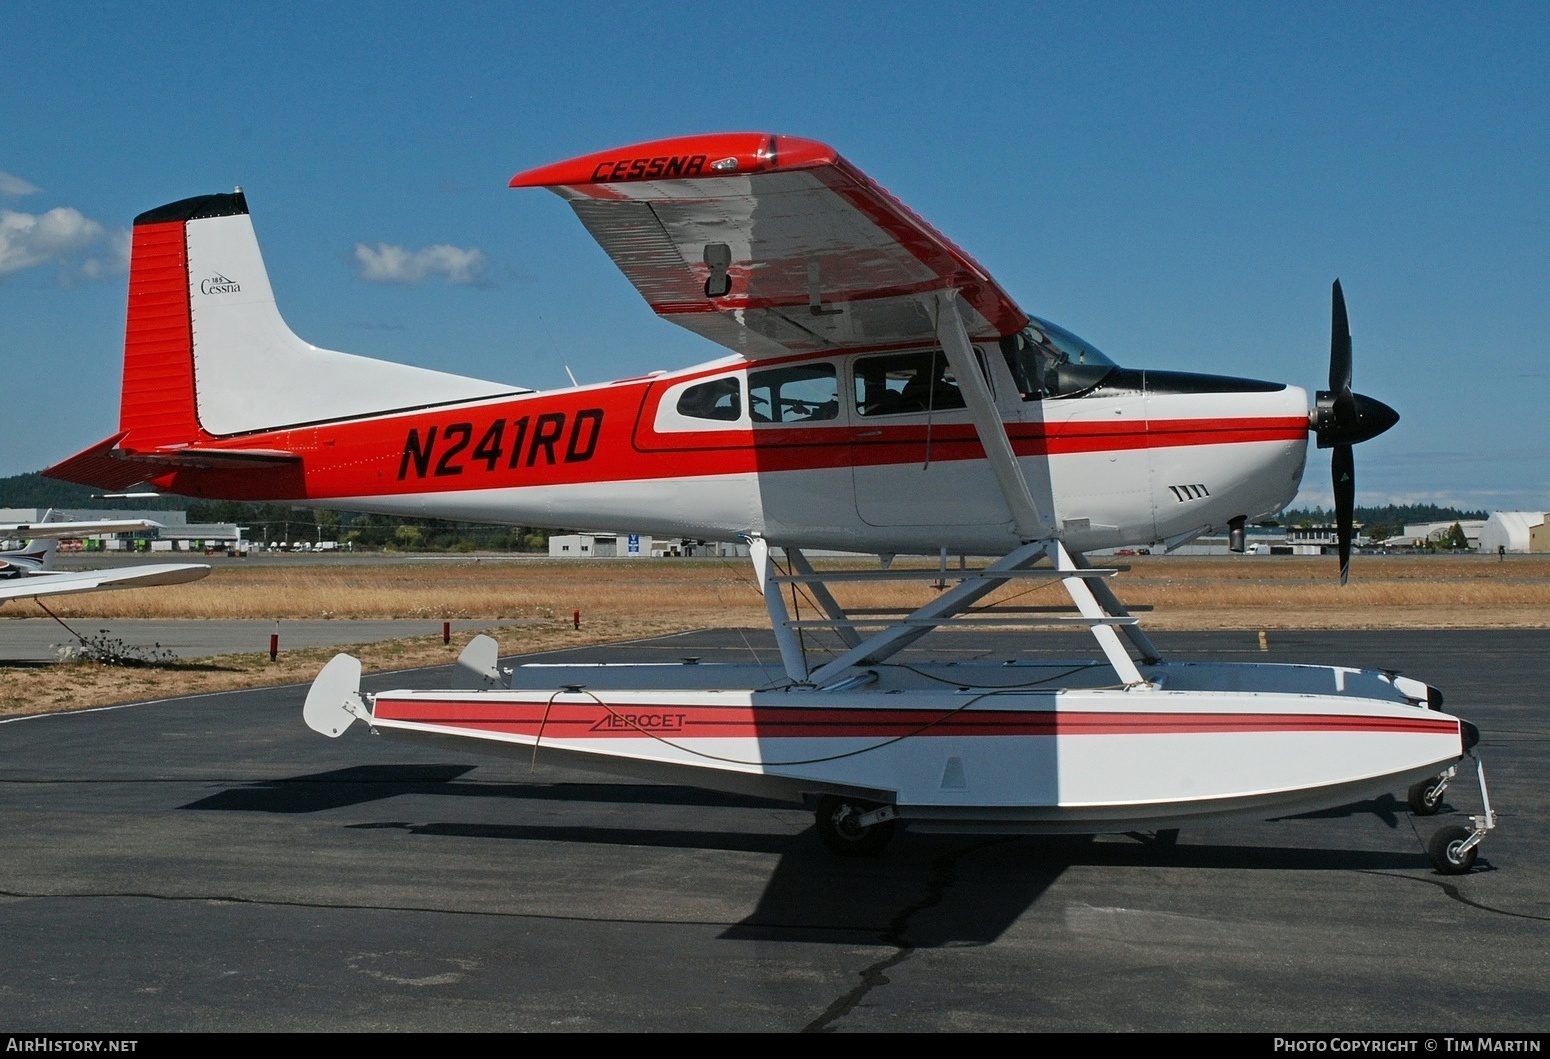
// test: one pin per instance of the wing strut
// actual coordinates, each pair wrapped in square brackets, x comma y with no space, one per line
[954,336]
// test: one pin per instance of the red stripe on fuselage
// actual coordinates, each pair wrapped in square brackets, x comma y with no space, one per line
[601,435]
[592,720]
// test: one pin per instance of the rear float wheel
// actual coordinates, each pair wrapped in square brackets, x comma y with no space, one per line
[1447,850]
[839,830]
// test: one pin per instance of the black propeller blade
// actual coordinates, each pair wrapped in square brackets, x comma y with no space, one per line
[1342,467]
[1342,419]
[1339,347]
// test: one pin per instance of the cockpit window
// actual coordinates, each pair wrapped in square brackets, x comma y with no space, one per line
[905,382]
[1048,361]
[720,399]
[800,393]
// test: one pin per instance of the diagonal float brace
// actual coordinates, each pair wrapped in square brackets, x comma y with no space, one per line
[1110,602]
[938,612]
[825,598]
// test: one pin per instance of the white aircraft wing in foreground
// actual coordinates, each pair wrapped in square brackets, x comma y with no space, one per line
[26,572]
[55,584]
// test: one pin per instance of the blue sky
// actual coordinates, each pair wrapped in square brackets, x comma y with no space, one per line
[1178,183]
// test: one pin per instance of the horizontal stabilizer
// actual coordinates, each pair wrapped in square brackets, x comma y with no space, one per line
[98,467]
[108,466]
[205,458]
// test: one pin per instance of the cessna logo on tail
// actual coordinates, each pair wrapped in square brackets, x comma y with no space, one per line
[218,284]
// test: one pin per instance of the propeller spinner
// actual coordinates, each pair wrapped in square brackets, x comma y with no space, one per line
[1341,419]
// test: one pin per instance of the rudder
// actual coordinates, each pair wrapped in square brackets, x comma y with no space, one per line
[158,405]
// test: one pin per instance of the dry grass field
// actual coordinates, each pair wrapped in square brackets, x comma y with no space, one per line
[627,599]
[1184,593]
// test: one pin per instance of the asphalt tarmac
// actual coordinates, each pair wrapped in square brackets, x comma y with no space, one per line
[208,863]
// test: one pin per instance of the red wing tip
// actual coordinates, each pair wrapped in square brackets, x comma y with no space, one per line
[682,158]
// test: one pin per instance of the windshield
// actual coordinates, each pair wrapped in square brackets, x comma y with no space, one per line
[1049,361]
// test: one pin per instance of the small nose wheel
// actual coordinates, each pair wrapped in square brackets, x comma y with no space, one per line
[851,828]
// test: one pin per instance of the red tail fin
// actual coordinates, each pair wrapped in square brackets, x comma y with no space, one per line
[158,403]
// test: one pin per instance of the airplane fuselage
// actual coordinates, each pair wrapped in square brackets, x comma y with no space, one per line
[725,449]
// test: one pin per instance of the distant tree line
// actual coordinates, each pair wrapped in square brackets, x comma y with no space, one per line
[282,523]
[1381,523]
[34,490]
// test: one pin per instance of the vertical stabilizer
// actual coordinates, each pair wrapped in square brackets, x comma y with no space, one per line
[207,354]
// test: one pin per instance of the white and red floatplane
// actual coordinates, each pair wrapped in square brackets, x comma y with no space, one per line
[883,395]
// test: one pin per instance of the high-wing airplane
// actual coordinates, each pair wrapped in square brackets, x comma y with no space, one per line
[881,394]
[27,572]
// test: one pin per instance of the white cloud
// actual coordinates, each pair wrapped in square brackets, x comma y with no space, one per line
[15,185]
[395,264]
[113,260]
[61,236]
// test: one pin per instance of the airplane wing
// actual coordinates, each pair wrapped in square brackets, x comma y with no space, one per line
[45,530]
[772,245]
[54,584]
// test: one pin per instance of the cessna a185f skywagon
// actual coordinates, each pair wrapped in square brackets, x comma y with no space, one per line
[882,395]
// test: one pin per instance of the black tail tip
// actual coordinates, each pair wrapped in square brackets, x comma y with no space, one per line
[231,204]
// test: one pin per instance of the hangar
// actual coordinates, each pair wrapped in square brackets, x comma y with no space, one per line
[1516,532]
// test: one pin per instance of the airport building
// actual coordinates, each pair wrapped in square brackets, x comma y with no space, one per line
[1299,540]
[1419,535]
[637,546]
[176,534]
[1516,532]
